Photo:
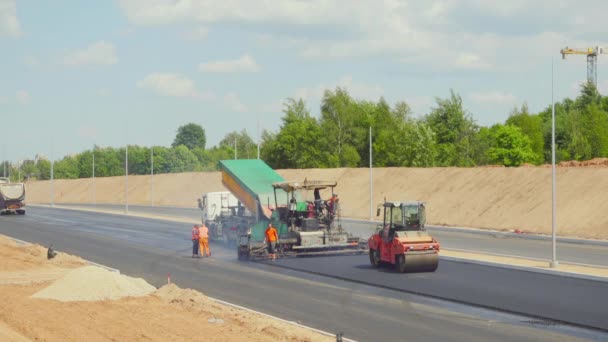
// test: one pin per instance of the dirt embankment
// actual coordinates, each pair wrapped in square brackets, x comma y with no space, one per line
[496,198]
[60,300]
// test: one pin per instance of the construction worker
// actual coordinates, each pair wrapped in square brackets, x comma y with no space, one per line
[272,237]
[204,241]
[195,242]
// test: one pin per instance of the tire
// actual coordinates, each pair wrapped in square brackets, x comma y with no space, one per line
[243,255]
[400,263]
[21,212]
[374,258]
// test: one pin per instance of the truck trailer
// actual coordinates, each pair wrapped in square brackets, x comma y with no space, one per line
[12,197]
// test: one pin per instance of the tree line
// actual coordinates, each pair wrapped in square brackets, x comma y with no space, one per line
[339,137]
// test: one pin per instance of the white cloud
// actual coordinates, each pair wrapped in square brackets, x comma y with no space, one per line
[234,103]
[493,98]
[103,92]
[86,132]
[420,105]
[22,97]
[199,33]
[100,52]
[355,89]
[272,107]
[602,87]
[170,84]
[160,12]
[9,24]
[244,64]
[31,61]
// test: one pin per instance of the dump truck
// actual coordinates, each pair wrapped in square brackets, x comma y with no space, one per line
[224,215]
[12,197]
[305,227]
[402,239]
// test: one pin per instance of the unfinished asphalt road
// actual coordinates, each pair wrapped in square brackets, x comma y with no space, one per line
[152,248]
[522,245]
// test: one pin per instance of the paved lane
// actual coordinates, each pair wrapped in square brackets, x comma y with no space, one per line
[475,242]
[152,248]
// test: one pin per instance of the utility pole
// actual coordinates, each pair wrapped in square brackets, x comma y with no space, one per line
[152,176]
[235,147]
[371,178]
[258,137]
[94,183]
[127,178]
[52,178]
[554,262]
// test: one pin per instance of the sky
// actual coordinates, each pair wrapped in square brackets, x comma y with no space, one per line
[78,73]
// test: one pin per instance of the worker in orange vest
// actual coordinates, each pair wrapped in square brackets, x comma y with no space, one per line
[204,241]
[195,240]
[271,239]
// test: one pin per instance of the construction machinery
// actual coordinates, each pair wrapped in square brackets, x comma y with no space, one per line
[402,240]
[591,54]
[305,227]
[224,215]
[12,197]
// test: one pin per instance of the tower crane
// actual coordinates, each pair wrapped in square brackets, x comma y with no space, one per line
[591,53]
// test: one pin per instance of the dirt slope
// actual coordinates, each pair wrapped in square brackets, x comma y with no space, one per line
[499,198]
[167,314]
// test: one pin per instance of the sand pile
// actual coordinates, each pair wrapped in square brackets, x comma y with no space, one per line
[92,283]
[172,294]
[16,256]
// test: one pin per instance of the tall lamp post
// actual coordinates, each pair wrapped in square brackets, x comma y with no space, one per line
[554,262]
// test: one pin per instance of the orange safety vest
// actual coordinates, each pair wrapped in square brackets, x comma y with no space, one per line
[204,232]
[271,234]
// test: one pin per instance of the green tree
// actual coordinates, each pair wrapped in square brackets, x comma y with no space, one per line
[338,123]
[190,135]
[44,169]
[181,159]
[454,131]
[531,126]
[509,146]
[299,143]
[66,168]
[246,147]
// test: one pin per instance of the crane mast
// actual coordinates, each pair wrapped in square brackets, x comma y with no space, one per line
[591,54]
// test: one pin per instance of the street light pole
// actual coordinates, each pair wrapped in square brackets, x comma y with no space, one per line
[94,183]
[52,179]
[371,179]
[554,262]
[152,176]
[127,178]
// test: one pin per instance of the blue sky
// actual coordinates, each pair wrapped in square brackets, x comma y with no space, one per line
[78,73]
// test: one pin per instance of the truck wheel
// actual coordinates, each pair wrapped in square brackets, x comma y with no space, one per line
[243,254]
[374,258]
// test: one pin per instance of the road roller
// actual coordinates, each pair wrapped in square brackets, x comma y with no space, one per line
[401,240]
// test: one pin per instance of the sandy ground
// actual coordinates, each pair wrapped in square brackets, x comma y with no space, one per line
[168,314]
[483,197]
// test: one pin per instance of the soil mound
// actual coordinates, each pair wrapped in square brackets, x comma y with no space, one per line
[92,283]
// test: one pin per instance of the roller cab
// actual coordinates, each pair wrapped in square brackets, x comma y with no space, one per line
[402,240]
